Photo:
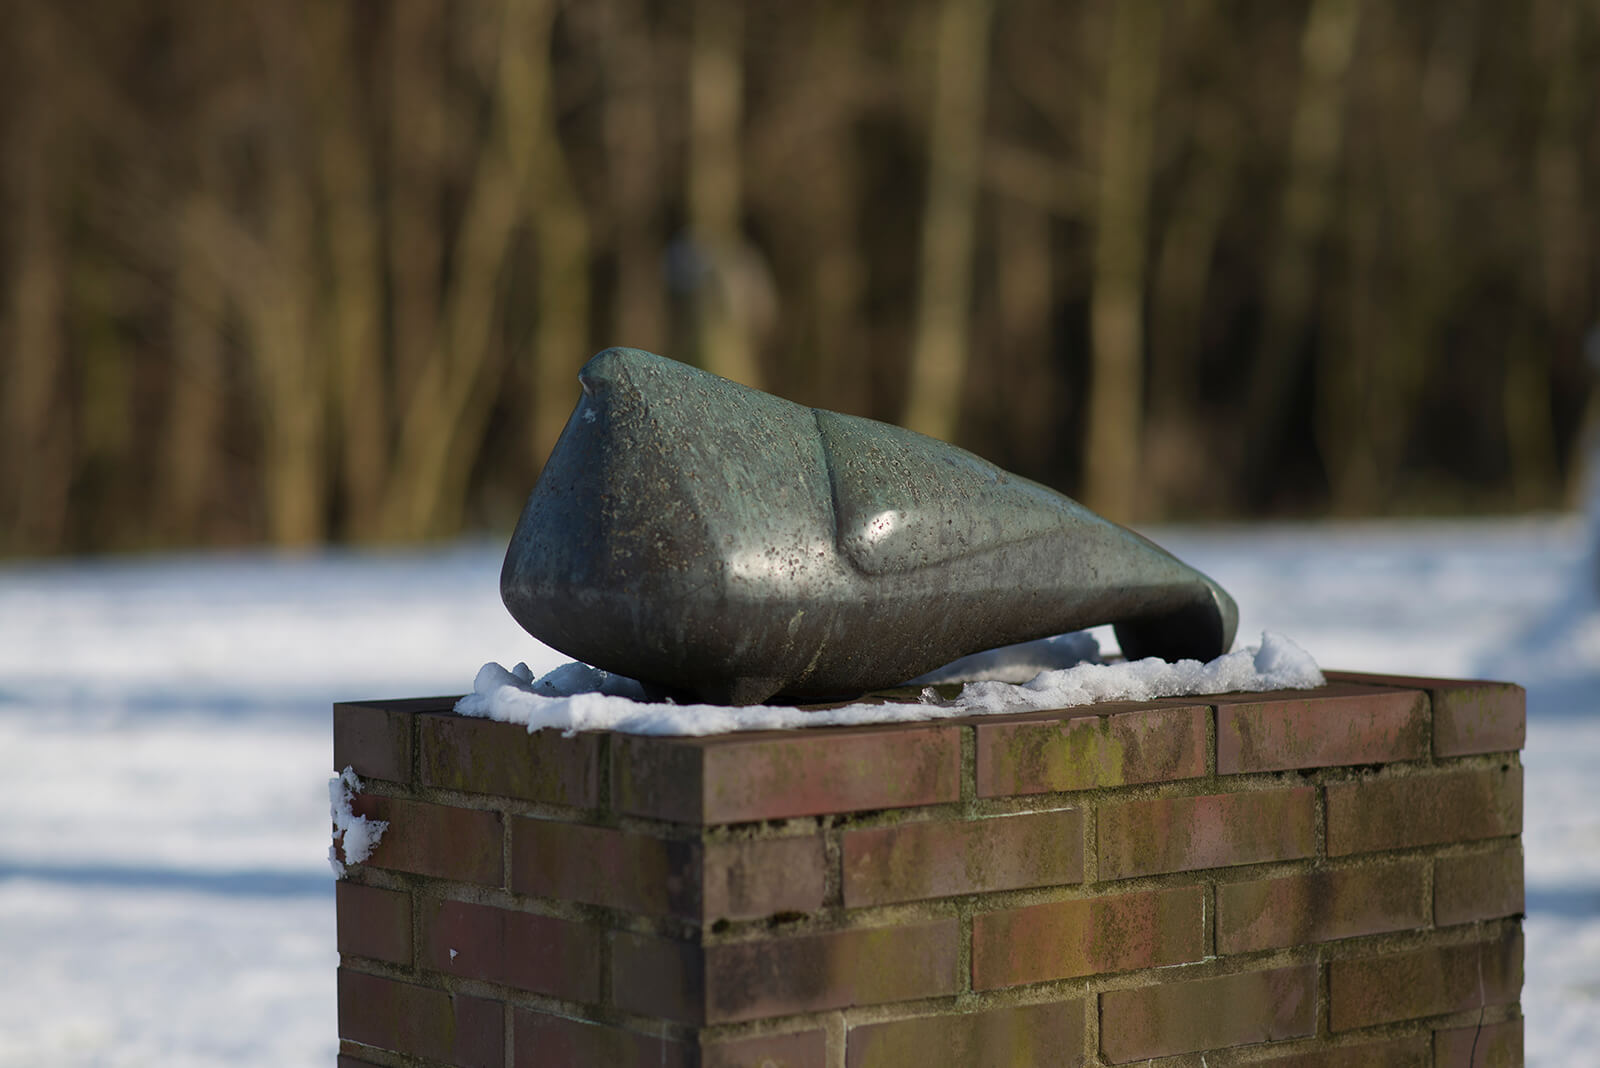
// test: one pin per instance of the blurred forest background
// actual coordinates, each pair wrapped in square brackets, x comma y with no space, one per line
[305,270]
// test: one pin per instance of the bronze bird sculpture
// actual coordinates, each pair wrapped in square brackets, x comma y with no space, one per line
[730,546]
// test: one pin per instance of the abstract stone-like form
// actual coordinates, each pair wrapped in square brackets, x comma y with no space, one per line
[729,545]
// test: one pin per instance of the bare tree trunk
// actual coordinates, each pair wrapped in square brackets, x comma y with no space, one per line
[1343,413]
[1399,276]
[1563,267]
[353,327]
[1023,393]
[941,342]
[35,415]
[631,121]
[447,413]
[1178,470]
[561,342]
[1116,309]
[716,105]
[561,236]
[290,373]
[838,270]
[413,219]
[195,405]
[1315,142]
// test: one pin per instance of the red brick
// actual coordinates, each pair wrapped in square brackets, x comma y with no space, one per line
[1478,886]
[544,1041]
[482,756]
[1080,752]
[658,977]
[1412,1052]
[1213,831]
[1485,717]
[781,976]
[421,1021]
[346,1061]
[438,840]
[701,882]
[755,878]
[1062,939]
[802,1049]
[1369,815]
[864,966]
[1206,1014]
[543,954]
[1048,1034]
[943,859]
[374,738]
[776,775]
[1340,725]
[373,922]
[1496,1045]
[540,1040]
[1365,991]
[1297,910]
[602,866]
[1469,716]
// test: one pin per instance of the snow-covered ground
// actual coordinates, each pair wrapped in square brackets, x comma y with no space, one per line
[164,748]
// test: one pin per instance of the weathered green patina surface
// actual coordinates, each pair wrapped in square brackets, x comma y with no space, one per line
[730,545]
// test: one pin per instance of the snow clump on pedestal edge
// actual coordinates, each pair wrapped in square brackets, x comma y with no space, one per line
[354,835]
[576,697]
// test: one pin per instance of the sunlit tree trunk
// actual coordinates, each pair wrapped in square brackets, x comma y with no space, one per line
[561,237]
[723,326]
[290,371]
[445,417]
[352,320]
[1116,310]
[631,122]
[413,209]
[941,342]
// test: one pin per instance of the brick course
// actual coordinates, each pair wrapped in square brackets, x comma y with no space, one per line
[544,1041]
[1211,831]
[941,859]
[1364,991]
[1083,752]
[1063,939]
[1478,886]
[429,1022]
[374,922]
[1369,815]
[1492,1046]
[439,840]
[1469,717]
[542,954]
[1051,1034]
[481,756]
[1347,725]
[1413,1052]
[1205,1014]
[1320,906]
[1306,880]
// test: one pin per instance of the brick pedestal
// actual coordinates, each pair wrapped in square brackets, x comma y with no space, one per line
[1318,878]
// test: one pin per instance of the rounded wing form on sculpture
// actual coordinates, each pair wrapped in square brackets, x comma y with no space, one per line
[726,544]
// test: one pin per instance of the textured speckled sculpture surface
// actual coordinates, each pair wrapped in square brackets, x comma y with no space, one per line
[728,545]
